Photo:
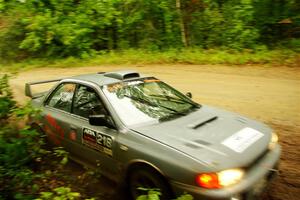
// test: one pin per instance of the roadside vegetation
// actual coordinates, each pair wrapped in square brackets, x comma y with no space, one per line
[280,57]
[74,33]
[27,169]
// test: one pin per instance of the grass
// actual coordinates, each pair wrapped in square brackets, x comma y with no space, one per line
[171,56]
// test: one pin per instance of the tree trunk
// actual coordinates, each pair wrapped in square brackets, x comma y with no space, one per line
[181,22]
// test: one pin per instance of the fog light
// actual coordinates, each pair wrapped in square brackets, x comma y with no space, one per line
[274,141]
[236,197]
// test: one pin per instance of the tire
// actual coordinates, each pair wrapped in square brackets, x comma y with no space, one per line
[148,179]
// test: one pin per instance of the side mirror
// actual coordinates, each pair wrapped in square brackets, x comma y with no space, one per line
[189,94]
[99,120]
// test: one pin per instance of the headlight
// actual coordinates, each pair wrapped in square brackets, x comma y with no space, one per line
[230,177]
[274,141]
[220,179]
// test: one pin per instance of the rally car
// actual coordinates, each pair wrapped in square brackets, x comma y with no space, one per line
[148,135]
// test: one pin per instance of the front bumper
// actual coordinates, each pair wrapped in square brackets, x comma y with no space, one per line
[250,187]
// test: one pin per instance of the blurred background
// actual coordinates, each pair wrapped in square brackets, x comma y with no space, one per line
[85,29]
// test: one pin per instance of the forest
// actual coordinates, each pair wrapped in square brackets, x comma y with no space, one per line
[83,29]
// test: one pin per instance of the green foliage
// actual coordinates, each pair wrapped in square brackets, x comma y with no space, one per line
[185,197]
[60,193]
[6,99]
[2,6]
[61,153]
[241,33]
[82,29]
[22,156]
[277,20]
[154,194]
[293,44]
[189,56]
[69,27]
[19,149]
[12,33]
[151,195]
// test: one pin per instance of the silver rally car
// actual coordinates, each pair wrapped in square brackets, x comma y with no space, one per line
[146,134]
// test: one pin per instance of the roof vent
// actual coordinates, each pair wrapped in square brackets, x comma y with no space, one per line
[122,75]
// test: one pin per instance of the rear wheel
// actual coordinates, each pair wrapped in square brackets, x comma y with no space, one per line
[142,180]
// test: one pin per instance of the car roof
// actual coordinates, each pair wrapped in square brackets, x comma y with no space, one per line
[104,78]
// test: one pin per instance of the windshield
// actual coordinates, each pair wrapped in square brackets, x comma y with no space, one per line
[147,100]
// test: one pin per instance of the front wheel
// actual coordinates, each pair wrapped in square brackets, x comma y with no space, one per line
[142,180]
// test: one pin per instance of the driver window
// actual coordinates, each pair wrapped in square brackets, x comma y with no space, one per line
[87,102]
[62,97]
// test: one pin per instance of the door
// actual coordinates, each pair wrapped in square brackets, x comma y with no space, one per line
[57,112]
[97,144]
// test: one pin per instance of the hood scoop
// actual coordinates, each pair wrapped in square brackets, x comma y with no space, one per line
[203,120]
[122,75]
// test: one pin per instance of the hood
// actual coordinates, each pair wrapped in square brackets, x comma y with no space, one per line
[219,138]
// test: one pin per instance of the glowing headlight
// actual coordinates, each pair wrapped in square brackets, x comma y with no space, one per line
[274,141]
[230,177]
[220,179]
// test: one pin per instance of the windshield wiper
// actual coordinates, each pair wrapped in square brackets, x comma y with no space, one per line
[176,100]
[154,105]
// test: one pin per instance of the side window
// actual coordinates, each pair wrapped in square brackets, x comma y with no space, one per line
[62,97]
[87,102]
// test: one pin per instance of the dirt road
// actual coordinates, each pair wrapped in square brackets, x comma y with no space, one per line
[269,94]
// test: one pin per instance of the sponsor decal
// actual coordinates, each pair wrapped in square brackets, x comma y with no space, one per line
[116,86]
[134,82]
[72,135]
[54,130]
[241,140]
[51,135]
[98,141]
[151,80]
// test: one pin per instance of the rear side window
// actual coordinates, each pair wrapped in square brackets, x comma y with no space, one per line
[62,97]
